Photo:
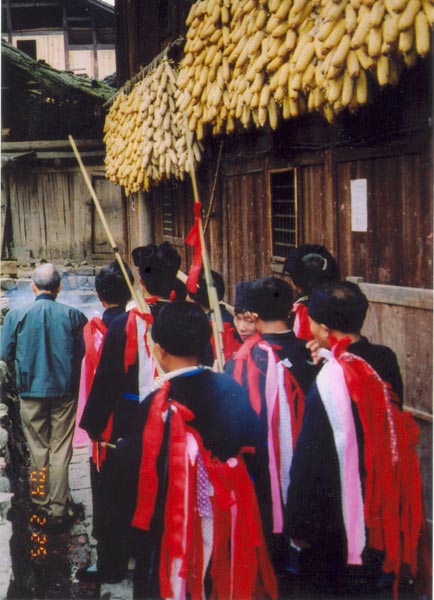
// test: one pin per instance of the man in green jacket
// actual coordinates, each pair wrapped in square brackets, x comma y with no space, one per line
[45,341]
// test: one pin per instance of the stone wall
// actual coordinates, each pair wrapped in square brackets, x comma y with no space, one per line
[78,289]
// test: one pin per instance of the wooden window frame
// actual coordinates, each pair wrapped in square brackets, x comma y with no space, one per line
[173,239]
[278,259]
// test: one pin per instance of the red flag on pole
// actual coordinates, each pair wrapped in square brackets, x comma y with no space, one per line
[193,239]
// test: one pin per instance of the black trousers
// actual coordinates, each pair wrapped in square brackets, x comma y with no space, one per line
[114,505]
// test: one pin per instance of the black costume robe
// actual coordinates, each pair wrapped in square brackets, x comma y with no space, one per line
[226,423]
[114,392]
[288,347]
[314,507]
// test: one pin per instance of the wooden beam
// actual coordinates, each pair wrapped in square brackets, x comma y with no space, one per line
[48,144]
[66,155]
[395,294]
[34,5]
[419,414]
[9,20]
[65,37]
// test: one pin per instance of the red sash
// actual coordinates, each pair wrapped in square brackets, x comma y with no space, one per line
[301,322]
[131,346]
[393,504]
[240,564]
[94,333]
[284,406]
[230,343]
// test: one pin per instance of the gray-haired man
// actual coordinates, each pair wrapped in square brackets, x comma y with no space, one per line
[45,341]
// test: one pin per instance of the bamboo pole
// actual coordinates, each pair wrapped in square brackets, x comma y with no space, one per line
[141,304]
[138,298]
[216,317]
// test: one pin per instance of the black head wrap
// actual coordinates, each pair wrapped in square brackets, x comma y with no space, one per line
[158,266]
[241,297]
[311,265]
[182,329]
[110,284]
[269,297]
[340,306]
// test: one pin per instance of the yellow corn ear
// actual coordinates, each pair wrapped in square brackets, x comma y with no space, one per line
[406,41]
[272,113]
[353,65]
[375,40]
[361,32]
[383,70]
[342,50]
[422,34]
[428,9]
[305,58]
[391,28]
[408,16]
[347,90]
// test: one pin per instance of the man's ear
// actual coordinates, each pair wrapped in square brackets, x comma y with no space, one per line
[34,288]
[59,289]
[325,329]
[159,352]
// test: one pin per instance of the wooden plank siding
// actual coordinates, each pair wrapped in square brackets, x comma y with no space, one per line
[396,248]
[49,47]
[53,214]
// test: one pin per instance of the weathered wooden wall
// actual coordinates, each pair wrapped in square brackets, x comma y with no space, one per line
[396,249]
[53,214]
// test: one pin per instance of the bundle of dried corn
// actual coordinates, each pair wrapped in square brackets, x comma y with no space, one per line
[145,133]
[256,60]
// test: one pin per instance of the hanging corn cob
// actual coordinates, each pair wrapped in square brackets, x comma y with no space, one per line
[254,61]
[145,135]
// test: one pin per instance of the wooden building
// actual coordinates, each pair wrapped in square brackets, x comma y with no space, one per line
[361,184]
[47,211]
[68,35]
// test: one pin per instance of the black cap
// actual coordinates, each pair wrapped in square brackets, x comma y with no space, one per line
[182,329]
[241,296]
[269,297]
[341,306]
[158,266]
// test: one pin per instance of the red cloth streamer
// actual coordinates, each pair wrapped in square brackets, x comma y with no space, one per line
[193,239]
[241,567]
[394,512]
[248,573]
[92,355]
[230,343]
[148,478]
[131,346]
[244,364]
[301,322]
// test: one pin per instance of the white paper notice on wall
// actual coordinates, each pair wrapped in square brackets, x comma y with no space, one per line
[359,205]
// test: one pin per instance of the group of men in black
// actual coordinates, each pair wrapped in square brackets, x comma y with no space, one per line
[262,481]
